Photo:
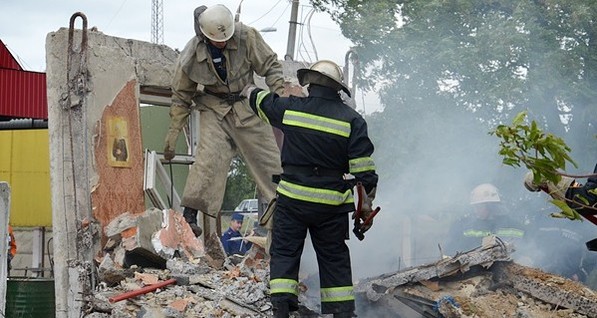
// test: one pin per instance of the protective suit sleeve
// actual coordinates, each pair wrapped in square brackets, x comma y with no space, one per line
[265,62]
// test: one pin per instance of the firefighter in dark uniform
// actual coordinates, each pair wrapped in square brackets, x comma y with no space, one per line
[580,197]
[324,139]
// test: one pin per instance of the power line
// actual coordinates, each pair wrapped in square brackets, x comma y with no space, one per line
[116,14]
[266,13]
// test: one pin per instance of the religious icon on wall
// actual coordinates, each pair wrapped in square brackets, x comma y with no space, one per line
[118,152]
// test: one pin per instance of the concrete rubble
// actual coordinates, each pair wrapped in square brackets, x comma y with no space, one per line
[155,246]
[483,282]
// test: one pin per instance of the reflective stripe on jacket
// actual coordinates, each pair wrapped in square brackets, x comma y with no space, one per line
[320,131]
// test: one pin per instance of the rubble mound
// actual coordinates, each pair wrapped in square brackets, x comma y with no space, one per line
[483,282]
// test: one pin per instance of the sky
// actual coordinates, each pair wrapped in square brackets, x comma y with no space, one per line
[24,25]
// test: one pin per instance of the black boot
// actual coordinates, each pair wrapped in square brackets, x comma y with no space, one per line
[281,310]
[190,215]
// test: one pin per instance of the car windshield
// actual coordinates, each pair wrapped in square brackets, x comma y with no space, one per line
[253,204]
[247,205]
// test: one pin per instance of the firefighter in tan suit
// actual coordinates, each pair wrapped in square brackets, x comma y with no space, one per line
[212,69]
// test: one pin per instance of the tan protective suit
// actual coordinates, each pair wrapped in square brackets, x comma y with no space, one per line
[224,129]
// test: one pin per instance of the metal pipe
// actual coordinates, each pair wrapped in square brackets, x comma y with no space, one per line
[141,291]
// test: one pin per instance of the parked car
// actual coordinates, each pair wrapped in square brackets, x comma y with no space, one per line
[247,206]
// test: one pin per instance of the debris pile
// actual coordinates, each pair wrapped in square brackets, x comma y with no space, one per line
[188,282]
[483,282]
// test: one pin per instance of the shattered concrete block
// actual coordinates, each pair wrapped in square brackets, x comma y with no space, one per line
[176,238]
[178,266]
[137,241]
[109,273]
[140,236]
[118,255]
[120,224]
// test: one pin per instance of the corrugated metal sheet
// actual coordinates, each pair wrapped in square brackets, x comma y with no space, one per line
[7,60]
[25,165]
[23,94]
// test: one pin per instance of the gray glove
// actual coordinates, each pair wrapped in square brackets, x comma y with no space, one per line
[367,207]
[196,15]
[556,191]
[247,90]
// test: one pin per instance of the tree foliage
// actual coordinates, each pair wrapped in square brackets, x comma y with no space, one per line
[239,185]
[542,153]
[493,58]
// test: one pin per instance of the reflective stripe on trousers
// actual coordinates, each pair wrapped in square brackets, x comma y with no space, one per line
[328,231]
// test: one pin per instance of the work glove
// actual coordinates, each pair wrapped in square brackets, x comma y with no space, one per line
[247,90]
[196,15]
[367,208]
[556,191]
[178,116]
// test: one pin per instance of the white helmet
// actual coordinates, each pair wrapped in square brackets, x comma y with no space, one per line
[325,73]
[217,23]
[484,193]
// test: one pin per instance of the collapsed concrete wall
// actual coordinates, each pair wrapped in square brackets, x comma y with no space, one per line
[93,84]
[96,166]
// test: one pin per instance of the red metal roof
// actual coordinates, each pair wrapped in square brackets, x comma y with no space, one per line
[22,93]
[7,60]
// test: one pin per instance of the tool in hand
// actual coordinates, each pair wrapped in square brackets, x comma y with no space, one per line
[363,220]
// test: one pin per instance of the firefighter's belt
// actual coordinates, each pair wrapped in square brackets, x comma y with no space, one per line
[312,171]
[230,98]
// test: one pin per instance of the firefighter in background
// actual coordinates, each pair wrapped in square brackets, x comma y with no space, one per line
[212,69]
[583,199]
[580,197]
[323,140]
[12,247]
[489,218]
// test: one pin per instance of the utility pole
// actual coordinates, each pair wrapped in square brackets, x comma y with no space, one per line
[292,31]
[157,21]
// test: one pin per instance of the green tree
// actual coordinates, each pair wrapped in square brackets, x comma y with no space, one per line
[239,185]
[493,58]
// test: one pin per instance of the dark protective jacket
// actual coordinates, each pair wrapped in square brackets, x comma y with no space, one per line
[323,140]
[323,137]
[584,195]
[234,246]
[468,232]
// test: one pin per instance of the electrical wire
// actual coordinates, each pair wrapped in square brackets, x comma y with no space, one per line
[301,41]
[171,198]
[50,257]
[309,33]
[266,13]
[116,14]
[281,15]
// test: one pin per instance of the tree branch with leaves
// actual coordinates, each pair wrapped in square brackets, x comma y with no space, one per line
[544,154]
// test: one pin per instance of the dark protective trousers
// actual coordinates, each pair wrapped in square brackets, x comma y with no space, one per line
[328,232]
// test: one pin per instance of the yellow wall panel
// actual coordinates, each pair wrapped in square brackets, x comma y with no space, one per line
[25,165]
